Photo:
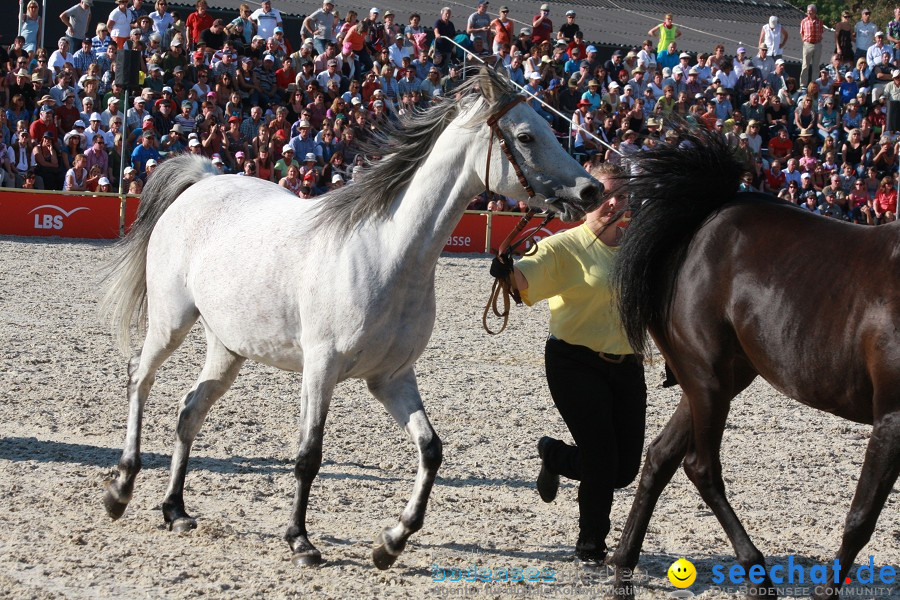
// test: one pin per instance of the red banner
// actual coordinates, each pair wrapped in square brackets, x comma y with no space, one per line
[501,225]
[470,234]
[58,214]
[131,211]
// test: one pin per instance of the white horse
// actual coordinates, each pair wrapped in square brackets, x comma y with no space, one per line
[337,287]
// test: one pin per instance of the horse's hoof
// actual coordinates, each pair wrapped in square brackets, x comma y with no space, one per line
[381,556]
[307,558]
[115,508]
[183,525]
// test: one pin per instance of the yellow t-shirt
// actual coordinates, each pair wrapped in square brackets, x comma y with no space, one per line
[571,269]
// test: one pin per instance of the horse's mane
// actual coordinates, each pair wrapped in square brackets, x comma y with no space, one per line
[672,191]
[403,146]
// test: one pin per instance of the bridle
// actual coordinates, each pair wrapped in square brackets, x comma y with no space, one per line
[506,286]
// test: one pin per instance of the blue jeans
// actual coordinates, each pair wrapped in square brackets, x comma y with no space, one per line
[319,44]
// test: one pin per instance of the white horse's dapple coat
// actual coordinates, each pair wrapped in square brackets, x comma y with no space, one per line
[338,287]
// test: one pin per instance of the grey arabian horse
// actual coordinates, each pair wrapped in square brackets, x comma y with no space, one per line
[339,287]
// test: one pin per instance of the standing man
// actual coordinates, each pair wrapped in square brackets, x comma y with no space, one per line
[76,20]
[320,26]
[864,32]
[266,20]
[541,25]
[774,36]
[667,32]
[569,28]
[479,24]
[811,31]
[198,21]
[444,28]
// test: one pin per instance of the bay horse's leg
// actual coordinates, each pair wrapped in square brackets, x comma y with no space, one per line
[159,344]
[219,372]
[400,396]
[664,456]
[879,473]
[709,411]
[319,380]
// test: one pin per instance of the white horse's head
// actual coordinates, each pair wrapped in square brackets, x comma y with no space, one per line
[559,183]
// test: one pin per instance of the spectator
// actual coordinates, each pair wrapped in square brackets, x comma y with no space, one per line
[266,19]
[32,24]
[76,20]
[811,31]
[667,32]
[541,26]
[843,39]
[774,36]
[478,25]
[120,20]
[864,33]
[321,25]
[198,21]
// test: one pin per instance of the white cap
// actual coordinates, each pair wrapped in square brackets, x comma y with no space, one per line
[79,123]
[375,10]
[103,181]
[194,142]
[152,162]
[128,170]
[96,117]
[614,85]
[217,160]
[677,70]
[534,75]
[309,156]
[336,178]
[780,61]
[286,148]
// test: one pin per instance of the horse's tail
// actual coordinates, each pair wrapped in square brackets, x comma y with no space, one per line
[125,300]
[672,190]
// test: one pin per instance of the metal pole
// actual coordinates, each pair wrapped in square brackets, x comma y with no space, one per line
[124,136]
[21,16]
[43,24]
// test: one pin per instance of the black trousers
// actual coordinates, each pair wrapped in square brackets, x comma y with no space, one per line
[604,406]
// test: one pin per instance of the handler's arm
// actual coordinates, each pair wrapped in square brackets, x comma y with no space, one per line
[521,282]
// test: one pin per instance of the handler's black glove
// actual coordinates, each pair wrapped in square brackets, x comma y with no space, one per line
[501,267]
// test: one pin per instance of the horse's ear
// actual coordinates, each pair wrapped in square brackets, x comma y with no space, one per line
[489,84]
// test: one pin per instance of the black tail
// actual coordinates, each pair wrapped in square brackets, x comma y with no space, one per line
[672,191]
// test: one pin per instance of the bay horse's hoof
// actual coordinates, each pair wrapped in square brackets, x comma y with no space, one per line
[307,558]
[115,508]
[183,525]
[381,556]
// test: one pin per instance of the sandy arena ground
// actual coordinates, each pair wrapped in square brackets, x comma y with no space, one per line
[791,471]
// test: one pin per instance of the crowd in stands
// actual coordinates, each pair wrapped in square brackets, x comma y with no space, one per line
[238,93]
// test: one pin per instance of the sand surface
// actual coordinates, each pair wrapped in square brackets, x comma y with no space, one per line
[791,471]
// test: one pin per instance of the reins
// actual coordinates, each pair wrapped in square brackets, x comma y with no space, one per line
[506,286]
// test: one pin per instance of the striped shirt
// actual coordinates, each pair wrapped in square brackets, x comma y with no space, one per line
[811,30]
[83,60]
[99,47]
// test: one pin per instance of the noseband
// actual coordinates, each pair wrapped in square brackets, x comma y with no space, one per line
[506,286]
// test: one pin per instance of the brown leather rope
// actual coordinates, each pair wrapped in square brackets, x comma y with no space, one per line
[506,286]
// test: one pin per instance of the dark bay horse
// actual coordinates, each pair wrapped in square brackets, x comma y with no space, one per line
[730,286]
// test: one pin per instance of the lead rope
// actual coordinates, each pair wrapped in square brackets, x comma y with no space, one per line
[506,287]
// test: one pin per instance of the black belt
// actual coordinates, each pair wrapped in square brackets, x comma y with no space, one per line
[607,356]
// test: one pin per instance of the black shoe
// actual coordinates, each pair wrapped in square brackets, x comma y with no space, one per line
[590,553]
[547,481]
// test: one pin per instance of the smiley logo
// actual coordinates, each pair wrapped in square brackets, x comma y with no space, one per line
[682,573]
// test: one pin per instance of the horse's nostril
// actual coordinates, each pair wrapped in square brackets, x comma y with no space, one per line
[591,194]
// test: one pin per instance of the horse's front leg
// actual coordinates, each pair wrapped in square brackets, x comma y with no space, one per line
[318,385]
[400,396]
[663,458]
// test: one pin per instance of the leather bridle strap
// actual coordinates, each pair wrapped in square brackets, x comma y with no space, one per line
[506,286]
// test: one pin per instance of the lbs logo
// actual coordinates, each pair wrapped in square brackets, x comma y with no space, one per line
[51,216]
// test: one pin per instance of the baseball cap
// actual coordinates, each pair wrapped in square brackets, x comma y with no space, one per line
[268,57]
[337,178]
[741,49]
[684,55]
[534,75]
[217,160]
[46,108]
[375,10]
[593,49]
[545,7]
[279,30]
[79,123]
[96,117]
[286,148]
[194,142]
[525,31]
[152,162]
[570,13]
[128,170]
[779,61]
[103,181]
[166,89]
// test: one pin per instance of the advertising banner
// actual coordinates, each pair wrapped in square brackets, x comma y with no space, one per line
[470,235]
[502,224]
[56,214]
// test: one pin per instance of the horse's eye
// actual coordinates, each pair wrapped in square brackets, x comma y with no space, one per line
[525,138]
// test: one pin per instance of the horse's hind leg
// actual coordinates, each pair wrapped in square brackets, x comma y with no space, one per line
[219,372]
[879,473]
[319,378]
[400,396]
[158,346]
[663,458]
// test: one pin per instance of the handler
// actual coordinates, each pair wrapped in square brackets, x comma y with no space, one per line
[595,379]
